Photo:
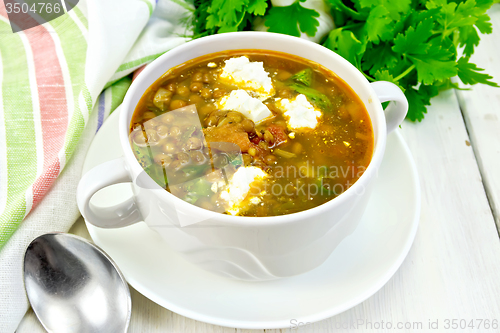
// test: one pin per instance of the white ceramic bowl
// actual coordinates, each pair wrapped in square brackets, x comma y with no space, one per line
[249,248]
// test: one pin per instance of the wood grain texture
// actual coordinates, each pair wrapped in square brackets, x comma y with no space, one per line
[481,111]
[453,268]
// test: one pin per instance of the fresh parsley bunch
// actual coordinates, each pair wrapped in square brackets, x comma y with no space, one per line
[412,43]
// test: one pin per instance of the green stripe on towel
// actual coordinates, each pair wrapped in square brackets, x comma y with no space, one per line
[19,131]
[118,91]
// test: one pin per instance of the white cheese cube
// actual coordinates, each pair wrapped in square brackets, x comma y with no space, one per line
[249,75]
[299,113]
[239,186]
[252,108]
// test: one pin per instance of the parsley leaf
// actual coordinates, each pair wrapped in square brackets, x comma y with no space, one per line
[468,39]
[416,105]
[257,7]
[288,20]
[413,41]
[379,57]
[346,45]
[454,16]
[226,14]
[469,73]
[379,25]
[437,64]
[199,20]
[394,8]
[418,100]
[383,75]
[218,16]
[483,24]
[431,70]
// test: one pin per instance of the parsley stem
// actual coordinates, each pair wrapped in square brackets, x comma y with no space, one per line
[406,72]
[241,20]
[354,25]
[368,77]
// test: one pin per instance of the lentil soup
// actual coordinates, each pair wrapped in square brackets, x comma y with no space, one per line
[252,133]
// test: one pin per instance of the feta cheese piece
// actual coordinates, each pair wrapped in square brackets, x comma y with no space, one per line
[299,112]
[249,75]
[239,185]
[239,100]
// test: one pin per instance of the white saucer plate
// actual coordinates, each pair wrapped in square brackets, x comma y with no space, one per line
[357,269]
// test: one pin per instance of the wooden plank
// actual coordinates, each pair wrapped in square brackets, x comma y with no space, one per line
[481,110]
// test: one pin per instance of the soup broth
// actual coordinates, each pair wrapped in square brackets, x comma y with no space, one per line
[252,133]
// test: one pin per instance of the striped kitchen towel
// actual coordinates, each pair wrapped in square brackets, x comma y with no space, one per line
[51,105]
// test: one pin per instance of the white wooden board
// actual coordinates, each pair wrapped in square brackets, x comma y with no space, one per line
[481,110]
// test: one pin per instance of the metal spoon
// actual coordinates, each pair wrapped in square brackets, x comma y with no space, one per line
[73,286]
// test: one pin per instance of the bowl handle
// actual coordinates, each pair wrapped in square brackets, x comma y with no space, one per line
[99,177]
[396,111]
